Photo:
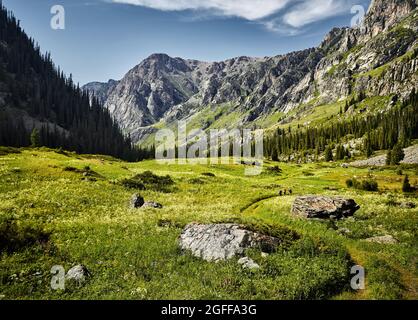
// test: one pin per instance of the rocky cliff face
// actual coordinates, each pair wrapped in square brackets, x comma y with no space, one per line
[379,59]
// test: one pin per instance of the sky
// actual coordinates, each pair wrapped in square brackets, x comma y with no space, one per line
[104,39]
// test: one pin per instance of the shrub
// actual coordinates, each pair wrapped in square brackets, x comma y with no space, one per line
[406,186]
[14,237]
[208,174]
[366,185]
[276,170]
[149,181]
[8,150]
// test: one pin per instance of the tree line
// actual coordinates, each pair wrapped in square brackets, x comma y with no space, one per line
[37,95]
[380,131]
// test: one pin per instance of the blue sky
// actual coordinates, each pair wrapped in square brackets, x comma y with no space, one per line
[103,39]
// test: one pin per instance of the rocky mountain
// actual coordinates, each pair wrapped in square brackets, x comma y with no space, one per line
[377,59]
[101,90]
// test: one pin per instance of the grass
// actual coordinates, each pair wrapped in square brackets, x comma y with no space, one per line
[57,216]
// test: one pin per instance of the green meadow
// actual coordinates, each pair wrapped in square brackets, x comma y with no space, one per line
[59,208]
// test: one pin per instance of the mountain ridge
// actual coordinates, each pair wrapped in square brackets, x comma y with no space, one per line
[165,89]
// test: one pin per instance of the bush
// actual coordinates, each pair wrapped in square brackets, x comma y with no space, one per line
[406,186]
[8,150]
[208,174]
[14,237]
[149,181]
[366,185]
[276,170]
[369,185]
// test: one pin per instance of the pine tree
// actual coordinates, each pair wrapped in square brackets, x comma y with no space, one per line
[328,154]
[389,158]
[397,154]
[406,186]
[35,138]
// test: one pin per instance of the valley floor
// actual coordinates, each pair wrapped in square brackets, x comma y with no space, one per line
[59,208]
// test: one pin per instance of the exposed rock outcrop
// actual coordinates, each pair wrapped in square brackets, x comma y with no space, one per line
[411,157]
[320,207]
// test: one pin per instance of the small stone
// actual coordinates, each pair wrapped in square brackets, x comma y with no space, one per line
[152,204]
[388,239]
[407,205]
[344,231]
[137,201]
[248,263]
[78,273]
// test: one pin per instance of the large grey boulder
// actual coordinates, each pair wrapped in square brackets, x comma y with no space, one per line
[214,242]
[321,207]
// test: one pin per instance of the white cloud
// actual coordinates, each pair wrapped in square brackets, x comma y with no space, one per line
[284,16]
[315,10]
[247,9]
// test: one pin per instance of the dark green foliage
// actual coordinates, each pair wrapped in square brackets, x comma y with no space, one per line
[14,236]
[342,153]
[406,186]
[328,154]
[208,174]
[33,85]
[132,184]
[366,185]
[397,154]
[381,131]
[196,181]
[276,170]
[149,181]
[35,138]
[389,158]
[7,150]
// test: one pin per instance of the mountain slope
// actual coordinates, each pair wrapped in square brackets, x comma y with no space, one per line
[35,95]
[377,60]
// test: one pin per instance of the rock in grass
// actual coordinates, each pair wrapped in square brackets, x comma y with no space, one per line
[388,239]
[152,204]
[78,274]
[248,263]
[407,205]
[214,242]
[137,201]
[320,207]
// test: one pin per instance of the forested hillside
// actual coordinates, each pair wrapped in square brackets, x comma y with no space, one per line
[36,97]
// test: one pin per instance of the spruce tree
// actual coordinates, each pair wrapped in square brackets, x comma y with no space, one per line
[406,186]
[35,138]
[397,154]
[328,154]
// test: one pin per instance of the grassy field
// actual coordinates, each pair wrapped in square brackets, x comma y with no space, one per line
[60,208]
